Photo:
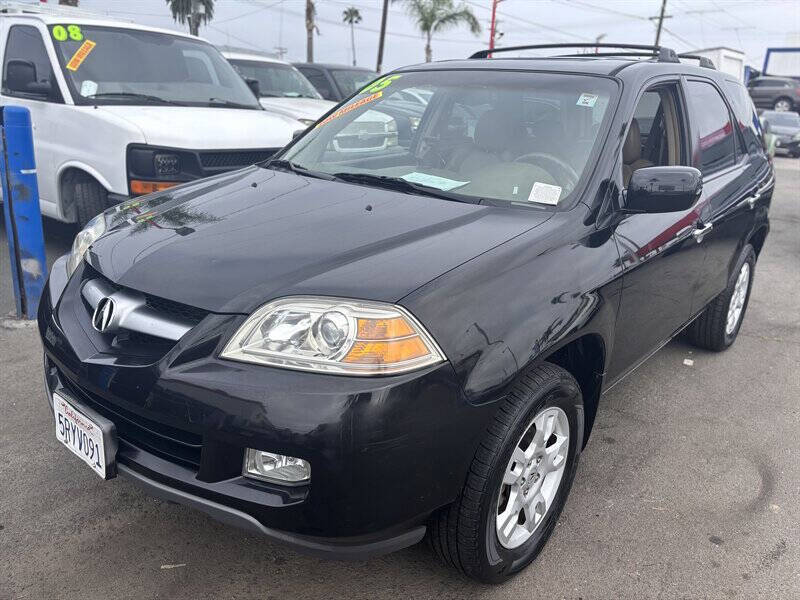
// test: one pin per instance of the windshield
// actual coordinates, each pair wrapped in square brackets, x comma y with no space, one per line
[110,65]
[784,119]
[352,80]
[510,136]
[276,79]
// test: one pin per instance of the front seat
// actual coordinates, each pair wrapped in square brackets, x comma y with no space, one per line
[498,138]
[632,153]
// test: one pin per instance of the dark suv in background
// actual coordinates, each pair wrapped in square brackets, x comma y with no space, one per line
[335,82]
[777,93]
[348,351]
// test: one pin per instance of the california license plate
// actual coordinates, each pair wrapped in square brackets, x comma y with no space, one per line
[84,436]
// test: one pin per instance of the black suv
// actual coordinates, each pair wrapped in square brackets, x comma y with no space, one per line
[348,351]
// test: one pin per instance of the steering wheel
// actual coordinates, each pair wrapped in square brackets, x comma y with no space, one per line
[560,170]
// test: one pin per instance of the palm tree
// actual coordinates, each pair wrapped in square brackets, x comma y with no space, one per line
[352,17]
[192,11]
[435,16]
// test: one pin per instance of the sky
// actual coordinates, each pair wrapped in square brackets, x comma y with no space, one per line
[691,24]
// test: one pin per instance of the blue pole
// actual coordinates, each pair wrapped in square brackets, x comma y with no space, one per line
[21,208]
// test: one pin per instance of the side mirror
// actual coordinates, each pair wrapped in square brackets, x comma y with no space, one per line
[254,86]
[20,75]
[297,133]
[663,189]
[21,78]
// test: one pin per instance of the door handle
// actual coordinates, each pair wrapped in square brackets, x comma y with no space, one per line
[751,201]
[700,232]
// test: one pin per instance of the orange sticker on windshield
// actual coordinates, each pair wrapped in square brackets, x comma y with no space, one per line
[346,109]
[80,55]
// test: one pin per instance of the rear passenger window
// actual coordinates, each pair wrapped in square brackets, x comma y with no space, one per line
[712,127]
[746,116]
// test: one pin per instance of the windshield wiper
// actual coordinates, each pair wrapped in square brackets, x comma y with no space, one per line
[282,164]
[401,185]
[228,103]
[149,97]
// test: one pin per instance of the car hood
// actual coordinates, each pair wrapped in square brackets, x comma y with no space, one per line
[233,242]
[205,128]
[297,108]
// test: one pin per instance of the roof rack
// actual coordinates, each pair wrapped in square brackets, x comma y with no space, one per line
[705,62]
[662,53]
[55,10]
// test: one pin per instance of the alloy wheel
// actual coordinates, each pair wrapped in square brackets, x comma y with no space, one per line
[532,477]
[783,105]
[736,305]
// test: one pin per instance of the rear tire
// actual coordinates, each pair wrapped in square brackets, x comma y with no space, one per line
[91,199]
[467,534]
[718,325]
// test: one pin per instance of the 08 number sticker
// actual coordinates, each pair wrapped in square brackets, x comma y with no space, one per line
[68,33]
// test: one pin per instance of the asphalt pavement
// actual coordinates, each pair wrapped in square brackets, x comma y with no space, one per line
[689,487]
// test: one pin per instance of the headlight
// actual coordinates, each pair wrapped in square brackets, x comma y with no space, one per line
[307,122]
[85,238]
[414,121]
[334,335]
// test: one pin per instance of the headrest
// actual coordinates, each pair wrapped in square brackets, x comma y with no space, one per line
[632,149]
[495,130]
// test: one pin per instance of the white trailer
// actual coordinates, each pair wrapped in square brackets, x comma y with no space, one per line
[727,60]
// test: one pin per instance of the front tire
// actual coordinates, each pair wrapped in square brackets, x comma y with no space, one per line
[91,199]
[518,481]
[782,104]
[718,325]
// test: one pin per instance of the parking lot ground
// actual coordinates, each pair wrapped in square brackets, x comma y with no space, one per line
[689,488]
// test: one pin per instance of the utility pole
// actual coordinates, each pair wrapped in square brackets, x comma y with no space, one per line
[493,26]
[660,18]
[310,26]
[382,35]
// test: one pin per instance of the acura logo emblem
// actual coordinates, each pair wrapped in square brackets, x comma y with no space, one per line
[103,314]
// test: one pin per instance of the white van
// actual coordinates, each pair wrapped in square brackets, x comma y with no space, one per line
[121,109]
[282,88]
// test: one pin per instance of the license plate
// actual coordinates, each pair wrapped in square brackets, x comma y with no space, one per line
[81,434]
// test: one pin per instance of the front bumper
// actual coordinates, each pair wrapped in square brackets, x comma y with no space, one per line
[385,452]
[788,145]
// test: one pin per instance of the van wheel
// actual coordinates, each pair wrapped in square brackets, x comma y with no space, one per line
[518,481]
[718,325]
[91,199]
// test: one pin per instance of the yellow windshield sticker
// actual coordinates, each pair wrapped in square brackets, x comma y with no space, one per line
[346,109]
[70,32]
[377,86]
[80,55]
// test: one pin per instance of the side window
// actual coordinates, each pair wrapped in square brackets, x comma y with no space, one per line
[712,127]
[319,81]
[746,116]
[655,134]
[27,72]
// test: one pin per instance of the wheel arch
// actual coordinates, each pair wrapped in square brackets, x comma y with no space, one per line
[758,237]
[68,174]
[584,358]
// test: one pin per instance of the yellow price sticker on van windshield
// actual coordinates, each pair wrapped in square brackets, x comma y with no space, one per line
[80,55]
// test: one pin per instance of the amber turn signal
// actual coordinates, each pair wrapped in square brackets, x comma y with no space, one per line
[139,187]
